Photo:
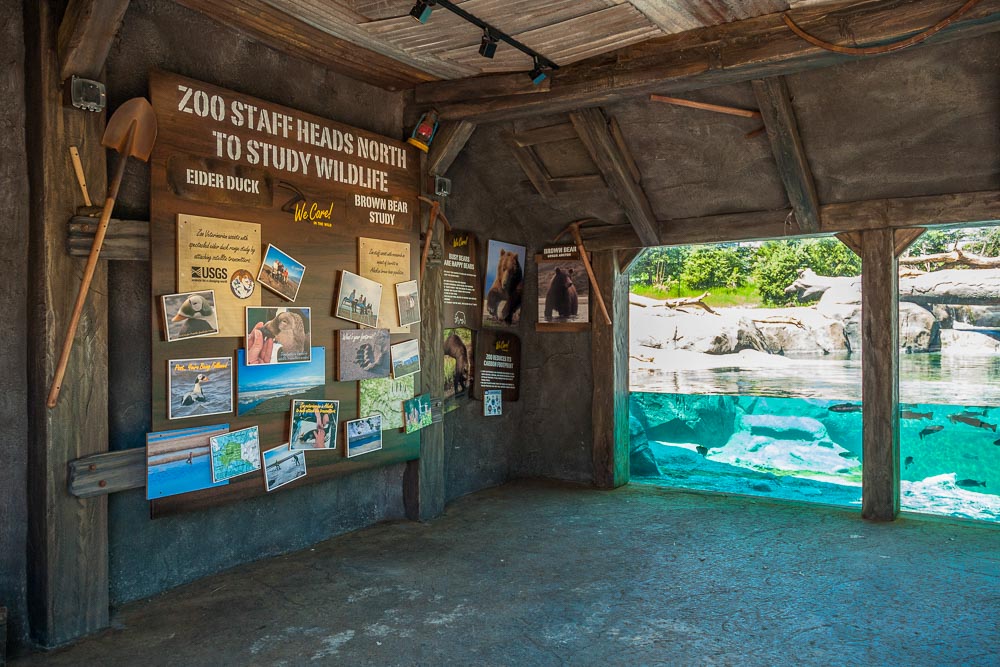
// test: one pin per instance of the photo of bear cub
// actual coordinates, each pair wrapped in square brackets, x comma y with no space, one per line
[563,291]
[505,275]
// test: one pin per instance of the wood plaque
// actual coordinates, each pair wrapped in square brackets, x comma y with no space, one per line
[314,187]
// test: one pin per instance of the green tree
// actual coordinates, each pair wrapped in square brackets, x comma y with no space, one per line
[715,266]
[659,266]
[830,257]
[776,266]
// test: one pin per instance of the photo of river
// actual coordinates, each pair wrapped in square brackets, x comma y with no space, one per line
[766,401]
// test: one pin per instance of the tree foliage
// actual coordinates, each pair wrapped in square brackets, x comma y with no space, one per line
[715,266]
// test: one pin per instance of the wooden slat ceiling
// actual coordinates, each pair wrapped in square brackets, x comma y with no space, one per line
[564,31]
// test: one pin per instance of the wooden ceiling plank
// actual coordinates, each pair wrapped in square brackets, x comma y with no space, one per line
[547,134]
[449,142]
[592,127]
[961,208]
[783,131]
[300,40]
[86,32]
[736,52]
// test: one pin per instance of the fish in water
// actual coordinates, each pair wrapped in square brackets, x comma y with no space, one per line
[997,442]
[845,407]
[971,421]
[847,455]
[908,462]
[701,450]
[929,430]
[975,413]
[968,483]
[910,414]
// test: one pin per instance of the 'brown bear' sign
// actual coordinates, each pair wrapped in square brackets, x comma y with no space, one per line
[563,294]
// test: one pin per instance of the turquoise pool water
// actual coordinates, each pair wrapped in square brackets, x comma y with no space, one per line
[795,433]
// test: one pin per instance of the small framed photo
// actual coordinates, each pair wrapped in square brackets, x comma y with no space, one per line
[359,299]
[314,424]
[278,335]
[280,273]
[363,354]
[405,358]
[408,301]
[189,315]
[199,387]
[364,435]
[235,453]
[417,413]
[283,465]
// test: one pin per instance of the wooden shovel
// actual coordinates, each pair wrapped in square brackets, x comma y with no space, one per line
[131,131]
[574,229]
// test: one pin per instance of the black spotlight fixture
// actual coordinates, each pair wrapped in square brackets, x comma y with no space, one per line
[422,10]
[489,44]
[537,73]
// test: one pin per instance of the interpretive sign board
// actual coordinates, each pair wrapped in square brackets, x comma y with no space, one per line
[498,364]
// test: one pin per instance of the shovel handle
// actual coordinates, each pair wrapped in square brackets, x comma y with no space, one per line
[88,275]
[590,272]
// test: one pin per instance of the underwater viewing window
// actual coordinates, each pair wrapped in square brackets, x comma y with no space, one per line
[949,366]
[745,373]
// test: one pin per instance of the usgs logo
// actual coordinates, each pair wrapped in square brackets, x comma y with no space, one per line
[209,273]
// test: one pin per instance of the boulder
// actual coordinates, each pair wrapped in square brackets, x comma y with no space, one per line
[970,341]
[919,330]
[666,329]
[705,420]
[818,334]
[641,459]
[977,316]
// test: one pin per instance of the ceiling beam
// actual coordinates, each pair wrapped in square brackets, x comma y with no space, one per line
[613,163]
[298,39]
[963,208]
[86,32]
[451,139]
[740,51]
[783,131]
[532,167]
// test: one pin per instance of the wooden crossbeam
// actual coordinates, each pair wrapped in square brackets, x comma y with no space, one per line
[611,161]
[963,208]
[111,472]
[783,131]
[125,239]
[734,52]
[544,135]
[449,142]
[86,32]
[532,167]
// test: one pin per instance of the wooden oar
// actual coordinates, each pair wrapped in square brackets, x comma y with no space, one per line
[131,131]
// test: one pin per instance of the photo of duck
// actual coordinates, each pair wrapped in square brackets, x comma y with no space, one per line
[197,394]
[190,315]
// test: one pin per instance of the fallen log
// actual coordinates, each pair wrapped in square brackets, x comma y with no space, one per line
[956,257]
[958,287]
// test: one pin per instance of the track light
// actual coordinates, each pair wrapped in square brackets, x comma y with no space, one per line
[537,74]
[489,44]
[422,10]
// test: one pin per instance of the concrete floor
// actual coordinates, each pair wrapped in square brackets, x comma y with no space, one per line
[545,574]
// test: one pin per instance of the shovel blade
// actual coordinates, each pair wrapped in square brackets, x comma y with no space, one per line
[136,113]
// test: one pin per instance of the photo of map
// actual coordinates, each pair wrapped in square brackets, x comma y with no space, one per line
[385,396]
[235,453]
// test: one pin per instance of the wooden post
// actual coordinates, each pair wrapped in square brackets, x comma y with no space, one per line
[609,358]
[423,480]
[67,536]
[880,378]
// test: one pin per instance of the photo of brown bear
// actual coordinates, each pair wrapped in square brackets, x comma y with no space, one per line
[563,292]
[458,372]
[505,275]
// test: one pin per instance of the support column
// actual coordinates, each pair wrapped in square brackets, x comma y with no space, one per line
[880,377]
[424,480]
[68,536]
[609,358]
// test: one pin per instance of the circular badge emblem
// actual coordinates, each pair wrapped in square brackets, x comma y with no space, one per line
[243,284]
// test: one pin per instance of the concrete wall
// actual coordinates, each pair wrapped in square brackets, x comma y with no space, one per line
[13,324]
[150,556]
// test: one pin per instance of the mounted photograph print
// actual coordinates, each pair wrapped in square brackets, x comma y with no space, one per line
[505,277]
[180,461]
[492,403]
[385,397]
[283,465]
[265,389]
[458,372]
[405,358]
[387,263]
[222,255]
[278,335]
[280,273]
[364,435]
[235,453]
[408,302]
[199,387]
[417,413]
[189,315]
[314,424]
[362,354]
[563,292]
[358,300]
